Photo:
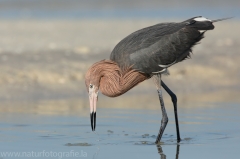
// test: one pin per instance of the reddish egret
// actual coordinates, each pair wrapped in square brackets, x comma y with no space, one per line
[143,54]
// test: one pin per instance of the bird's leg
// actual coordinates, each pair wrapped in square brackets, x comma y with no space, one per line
[174,100]
[164,121]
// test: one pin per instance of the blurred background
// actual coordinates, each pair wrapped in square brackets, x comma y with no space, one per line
[46,46]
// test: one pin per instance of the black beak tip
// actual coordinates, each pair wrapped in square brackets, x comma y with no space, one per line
[93,120]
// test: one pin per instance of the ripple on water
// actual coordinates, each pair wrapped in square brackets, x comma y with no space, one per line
[78,144]
[110,131]
[144,143]
[21,125]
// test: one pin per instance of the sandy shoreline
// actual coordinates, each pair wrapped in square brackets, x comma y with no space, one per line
[93,35]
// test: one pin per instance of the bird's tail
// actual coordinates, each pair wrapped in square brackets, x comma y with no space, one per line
[217,20]
[201,23]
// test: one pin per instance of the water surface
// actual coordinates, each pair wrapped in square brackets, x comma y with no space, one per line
[207,131]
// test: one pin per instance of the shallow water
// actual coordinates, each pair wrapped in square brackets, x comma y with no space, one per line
[73,9]
[211,131]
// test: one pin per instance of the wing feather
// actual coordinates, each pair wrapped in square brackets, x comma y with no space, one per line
[148,49]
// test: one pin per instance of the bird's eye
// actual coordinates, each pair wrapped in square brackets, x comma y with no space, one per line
[90,86]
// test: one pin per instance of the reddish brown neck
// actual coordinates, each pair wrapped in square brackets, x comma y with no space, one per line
[114,81]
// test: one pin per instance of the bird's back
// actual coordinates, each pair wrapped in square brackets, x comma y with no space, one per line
[150,49]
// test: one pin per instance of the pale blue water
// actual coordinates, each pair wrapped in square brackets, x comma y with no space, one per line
[121,13]
[211,131]
[72,9]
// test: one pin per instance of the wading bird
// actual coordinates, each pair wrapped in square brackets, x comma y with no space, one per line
[143,54]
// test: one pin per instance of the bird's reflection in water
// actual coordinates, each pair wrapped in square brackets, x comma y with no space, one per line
[163,156]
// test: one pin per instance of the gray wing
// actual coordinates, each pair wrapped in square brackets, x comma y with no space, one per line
[150,48]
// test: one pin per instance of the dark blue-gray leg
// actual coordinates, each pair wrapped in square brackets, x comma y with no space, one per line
[164,121]
[174,100]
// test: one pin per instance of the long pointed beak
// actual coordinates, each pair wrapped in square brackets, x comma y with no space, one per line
[93,103]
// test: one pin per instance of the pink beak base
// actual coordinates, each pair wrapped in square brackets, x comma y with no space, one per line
[93,103]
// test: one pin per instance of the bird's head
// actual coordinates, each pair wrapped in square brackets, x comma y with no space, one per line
[105,75]
[92,80]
